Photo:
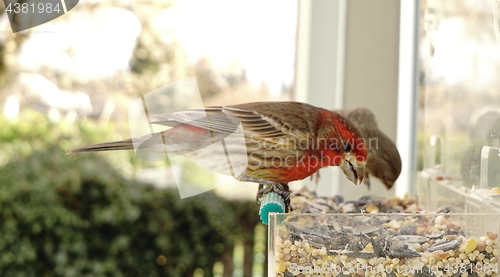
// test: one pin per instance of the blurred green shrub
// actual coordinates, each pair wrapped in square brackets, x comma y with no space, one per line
[76,215]
[32,131]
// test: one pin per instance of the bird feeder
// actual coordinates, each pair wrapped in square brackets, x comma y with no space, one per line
[448,224]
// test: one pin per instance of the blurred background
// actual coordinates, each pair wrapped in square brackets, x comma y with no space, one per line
[425,68]
[70,82]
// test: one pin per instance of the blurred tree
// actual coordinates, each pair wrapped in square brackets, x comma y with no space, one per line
[76,215]
[157,60]
[235,74]
[9,46]
[208,81]
[142,60]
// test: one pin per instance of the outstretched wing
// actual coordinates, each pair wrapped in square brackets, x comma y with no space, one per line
[263,120]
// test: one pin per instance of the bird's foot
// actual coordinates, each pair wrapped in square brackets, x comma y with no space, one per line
[281,189]
[266,186]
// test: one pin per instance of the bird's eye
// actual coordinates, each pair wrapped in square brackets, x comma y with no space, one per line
[346,146]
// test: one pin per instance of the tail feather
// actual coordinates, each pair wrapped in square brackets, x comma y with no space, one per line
[107,146]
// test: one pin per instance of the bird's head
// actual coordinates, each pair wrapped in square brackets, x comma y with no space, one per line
[384,161]
[351,147]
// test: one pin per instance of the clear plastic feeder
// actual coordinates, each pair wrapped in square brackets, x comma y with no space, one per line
[436,244]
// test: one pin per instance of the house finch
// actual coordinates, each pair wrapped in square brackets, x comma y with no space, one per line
[283,142]
[383,160]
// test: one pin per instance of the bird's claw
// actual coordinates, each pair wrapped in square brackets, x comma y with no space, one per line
[281,189]
[266,186]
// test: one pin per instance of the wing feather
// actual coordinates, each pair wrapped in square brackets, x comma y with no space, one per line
[227,119]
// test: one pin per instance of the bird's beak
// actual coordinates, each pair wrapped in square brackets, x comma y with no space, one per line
[353,169]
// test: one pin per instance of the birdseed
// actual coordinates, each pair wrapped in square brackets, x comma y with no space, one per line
[409,245]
